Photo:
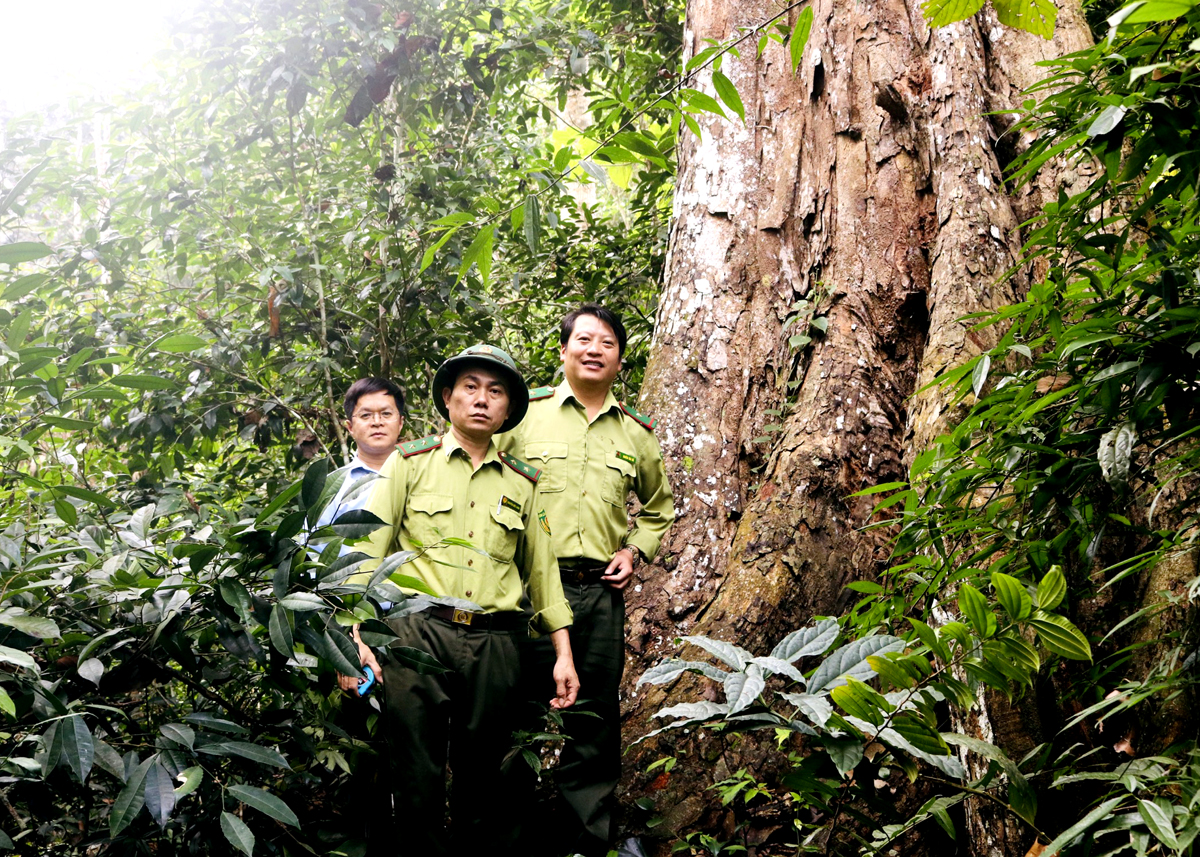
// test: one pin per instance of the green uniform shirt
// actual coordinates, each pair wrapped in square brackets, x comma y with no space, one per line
[588,470]
[429,491]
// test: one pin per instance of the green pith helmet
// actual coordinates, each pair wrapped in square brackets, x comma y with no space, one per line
[494,359]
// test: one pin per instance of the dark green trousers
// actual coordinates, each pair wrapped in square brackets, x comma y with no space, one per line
[464,718]
[590,764]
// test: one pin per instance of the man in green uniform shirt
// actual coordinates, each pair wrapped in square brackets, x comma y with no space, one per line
[594,450]
[459,486]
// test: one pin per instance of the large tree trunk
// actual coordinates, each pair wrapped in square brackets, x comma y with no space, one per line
[869,185]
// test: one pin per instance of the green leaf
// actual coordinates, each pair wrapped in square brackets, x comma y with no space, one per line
[974,606]
[431,251]
[301,602]
[1085,823]
[1012,596]
[265,802]
[19,188]
[74,746]
[280,628]
[845,753]
[85,495]
[131,799]
[698,100]
[850,662]
[930,638]
[69,424]
[143,382]
[939,13]
[799,37]
[181,343]
[920,734]
[890,671]
[979,374]
[743,688]
[246,750]
[1032,16]
[190,780]
[1156,11]
[532,225]
[179,733]
[729,94]
[805,642]
[159,793]
[479,253]
[356,523]
[1060,636]
[18,658]
[23,251]
[34,626]
[237,833]
[278,503]
[313,483]
[18,329]
[727,653]
[1051,589]
[6,703]
[1158,820]
[22,286]
[859,700]
[1021,795]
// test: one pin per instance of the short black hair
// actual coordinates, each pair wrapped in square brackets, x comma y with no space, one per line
[605,315]
[366,386]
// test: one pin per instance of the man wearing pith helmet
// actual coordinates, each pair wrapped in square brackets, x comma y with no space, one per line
[459,486]
[593,451]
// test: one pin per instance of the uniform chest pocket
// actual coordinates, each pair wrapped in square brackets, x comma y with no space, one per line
[620,475]
[550,456]
[503,532]
[428,518]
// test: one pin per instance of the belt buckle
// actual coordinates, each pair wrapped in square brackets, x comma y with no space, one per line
[462,617]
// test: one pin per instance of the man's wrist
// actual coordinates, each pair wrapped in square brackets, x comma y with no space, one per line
[634,553]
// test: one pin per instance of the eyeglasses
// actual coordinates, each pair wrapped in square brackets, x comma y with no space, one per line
[385,416]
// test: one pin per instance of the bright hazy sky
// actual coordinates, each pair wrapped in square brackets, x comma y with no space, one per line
[55,48]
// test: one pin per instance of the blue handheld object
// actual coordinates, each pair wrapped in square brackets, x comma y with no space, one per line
[365,684]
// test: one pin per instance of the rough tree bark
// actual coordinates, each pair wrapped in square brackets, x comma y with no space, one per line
[869,185]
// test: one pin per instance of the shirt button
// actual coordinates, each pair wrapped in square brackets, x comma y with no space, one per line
[472,504]
[469,593]
[470,562]
[471,533]
[584,492]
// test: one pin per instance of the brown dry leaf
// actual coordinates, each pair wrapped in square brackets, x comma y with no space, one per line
[1052,382]
[872,750]
[1036,849]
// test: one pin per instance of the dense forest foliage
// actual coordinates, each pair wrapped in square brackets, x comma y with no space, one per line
[190,277]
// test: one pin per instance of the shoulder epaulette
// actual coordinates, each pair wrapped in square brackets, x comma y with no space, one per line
[425,444]
[537,393]
[527,470]
[638,417]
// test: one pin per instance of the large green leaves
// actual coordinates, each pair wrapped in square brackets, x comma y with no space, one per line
[850,662]
[1034,16]
[265,802]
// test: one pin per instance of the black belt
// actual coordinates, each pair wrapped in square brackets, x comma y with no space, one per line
[510,620]
[581,571]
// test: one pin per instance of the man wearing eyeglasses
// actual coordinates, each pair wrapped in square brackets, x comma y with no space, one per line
[374,419]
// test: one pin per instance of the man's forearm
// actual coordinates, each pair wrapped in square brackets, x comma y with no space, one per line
[562,644]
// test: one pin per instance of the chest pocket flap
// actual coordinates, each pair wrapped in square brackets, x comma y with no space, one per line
[550,456]
[430,504]
[501,541]
[620,479]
